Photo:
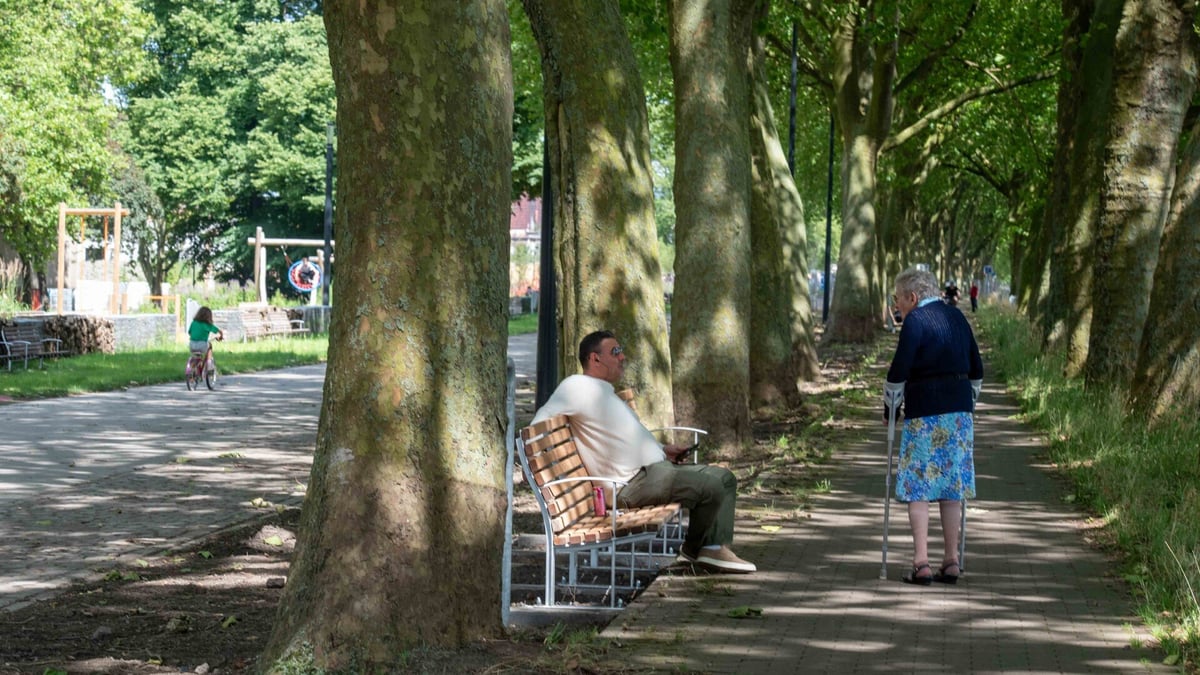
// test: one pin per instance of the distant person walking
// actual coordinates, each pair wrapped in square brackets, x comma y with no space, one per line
[938,368]
[974,296]
[951,294]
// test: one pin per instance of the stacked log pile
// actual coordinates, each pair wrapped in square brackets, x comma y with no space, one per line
[82,334]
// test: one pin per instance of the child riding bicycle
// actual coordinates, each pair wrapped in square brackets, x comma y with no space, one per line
[202,326]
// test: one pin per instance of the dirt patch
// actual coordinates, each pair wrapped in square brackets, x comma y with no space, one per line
[210,608]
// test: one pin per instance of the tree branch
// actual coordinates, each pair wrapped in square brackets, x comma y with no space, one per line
[925,67]
[944,110]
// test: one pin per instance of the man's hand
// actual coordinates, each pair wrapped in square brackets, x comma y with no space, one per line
[678,453]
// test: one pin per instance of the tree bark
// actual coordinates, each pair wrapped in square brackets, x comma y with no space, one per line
[783,349]
[1168,370]
[864,72]
[401,535]
[1074,255]
[1154,79]
[606,244]
[1043,288]
[710,332]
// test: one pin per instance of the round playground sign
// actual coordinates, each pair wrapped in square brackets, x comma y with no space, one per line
[304,276]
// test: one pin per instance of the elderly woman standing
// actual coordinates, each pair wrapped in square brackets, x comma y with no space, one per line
[938,369]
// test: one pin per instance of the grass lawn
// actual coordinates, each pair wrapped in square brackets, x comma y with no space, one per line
[157,365]
[106,372]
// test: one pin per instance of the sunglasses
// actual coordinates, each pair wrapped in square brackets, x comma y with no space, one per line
[617,351]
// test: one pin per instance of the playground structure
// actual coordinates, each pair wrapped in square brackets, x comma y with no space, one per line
[115,213]
[260,243]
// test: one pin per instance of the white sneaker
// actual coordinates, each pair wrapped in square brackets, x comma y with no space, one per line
[724,560]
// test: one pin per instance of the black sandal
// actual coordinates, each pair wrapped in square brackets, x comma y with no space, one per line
[913,576]
[942,577]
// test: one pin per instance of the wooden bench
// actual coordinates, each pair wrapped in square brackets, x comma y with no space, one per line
[24,340]
[259,322]
[278,323]
[565,497]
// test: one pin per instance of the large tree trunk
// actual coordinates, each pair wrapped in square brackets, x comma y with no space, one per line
[710,324]
[1074,255]
[401,536]
[1043,287]
[1168,370]
[606,245]
[864,70]
[1154,78]
[783,349]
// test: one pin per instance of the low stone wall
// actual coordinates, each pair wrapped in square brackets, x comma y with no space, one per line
[138,331]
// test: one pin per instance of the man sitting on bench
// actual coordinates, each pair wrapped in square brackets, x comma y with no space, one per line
[613,442]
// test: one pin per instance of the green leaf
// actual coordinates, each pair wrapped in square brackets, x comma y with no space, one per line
[1171,660]
[229,622]
[274,540]
[745,612]
[206,554]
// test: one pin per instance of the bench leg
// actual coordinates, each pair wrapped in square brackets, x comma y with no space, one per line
[612,574]
[549,573]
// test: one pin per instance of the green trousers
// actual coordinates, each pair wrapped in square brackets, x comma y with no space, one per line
[708,493]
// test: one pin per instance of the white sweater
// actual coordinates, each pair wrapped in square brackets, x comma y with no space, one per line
[611,439]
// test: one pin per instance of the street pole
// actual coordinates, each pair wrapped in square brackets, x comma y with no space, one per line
[547,342]
[325,273]
[828,222]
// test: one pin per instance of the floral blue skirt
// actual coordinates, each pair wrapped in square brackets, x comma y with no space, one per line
[937,458]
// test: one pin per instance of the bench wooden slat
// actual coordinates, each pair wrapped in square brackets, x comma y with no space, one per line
[539,428]
[565,469]
[543,443]
[593,529]
[564,458]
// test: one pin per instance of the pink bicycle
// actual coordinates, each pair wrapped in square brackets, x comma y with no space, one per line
[201,366]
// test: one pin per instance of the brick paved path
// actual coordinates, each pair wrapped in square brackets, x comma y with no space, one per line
[1035,599]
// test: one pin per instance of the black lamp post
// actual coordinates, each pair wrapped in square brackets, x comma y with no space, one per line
[328,213]
[547,343]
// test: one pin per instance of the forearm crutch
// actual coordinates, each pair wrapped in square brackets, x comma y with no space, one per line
[976,389]
[891,400]
[962,538]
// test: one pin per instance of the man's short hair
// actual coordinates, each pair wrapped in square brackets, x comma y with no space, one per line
[590,344]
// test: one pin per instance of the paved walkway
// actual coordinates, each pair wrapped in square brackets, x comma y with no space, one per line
[89,480]
[1035,598]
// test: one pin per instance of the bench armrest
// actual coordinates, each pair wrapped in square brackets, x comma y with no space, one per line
[696,434]
[297,323]
[614,482]
[694,431]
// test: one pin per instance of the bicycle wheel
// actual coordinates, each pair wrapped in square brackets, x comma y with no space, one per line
[189,376]
[210,376]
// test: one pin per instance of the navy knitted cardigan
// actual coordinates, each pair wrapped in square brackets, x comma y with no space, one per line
[936,358]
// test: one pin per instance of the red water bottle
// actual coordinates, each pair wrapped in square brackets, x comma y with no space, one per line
[599,501]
